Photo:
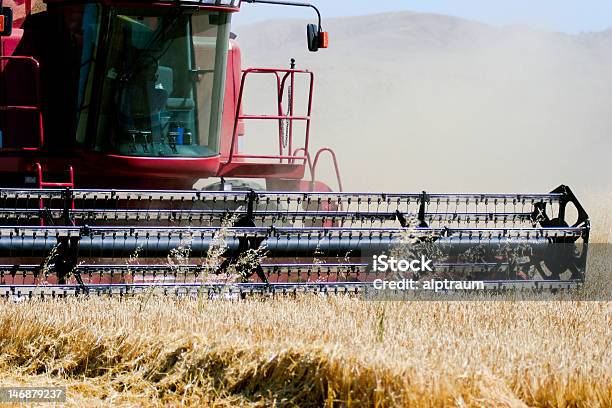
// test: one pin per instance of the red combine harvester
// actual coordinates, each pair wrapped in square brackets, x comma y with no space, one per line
[110,113]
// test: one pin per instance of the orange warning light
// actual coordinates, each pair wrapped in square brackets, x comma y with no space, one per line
[6,21]
[324,39]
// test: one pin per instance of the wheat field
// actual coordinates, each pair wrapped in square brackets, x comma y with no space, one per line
[312,352]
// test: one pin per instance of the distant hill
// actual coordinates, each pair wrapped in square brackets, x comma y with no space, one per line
[421,101]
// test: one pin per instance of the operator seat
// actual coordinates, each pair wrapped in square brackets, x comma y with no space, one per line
[165,76]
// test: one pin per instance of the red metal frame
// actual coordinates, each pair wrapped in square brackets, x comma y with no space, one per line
[45,184]
[306,154]
[336,166]
[281,116]
[38,107]
[313,165]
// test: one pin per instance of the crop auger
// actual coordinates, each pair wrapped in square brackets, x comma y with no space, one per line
[131,103]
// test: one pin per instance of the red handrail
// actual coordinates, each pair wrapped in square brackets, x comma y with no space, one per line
[46,184]
[281,116]
[38,106]
[42,184]
[336,166]
[307,155]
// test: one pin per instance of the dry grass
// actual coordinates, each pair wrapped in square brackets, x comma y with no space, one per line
[312,352]
[599,207]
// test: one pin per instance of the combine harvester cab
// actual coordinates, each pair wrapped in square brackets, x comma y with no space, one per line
[98,170]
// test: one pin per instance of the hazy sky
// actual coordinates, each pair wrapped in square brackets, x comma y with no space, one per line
[561,15]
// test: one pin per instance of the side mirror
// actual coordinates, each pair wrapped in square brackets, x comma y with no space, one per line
[6,21]
[317,38]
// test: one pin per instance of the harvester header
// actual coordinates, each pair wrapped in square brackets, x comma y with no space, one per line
[109,240]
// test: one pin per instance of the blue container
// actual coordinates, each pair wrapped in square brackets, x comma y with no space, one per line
[180,135]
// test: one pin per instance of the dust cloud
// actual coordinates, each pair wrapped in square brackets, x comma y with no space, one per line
[415,102]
